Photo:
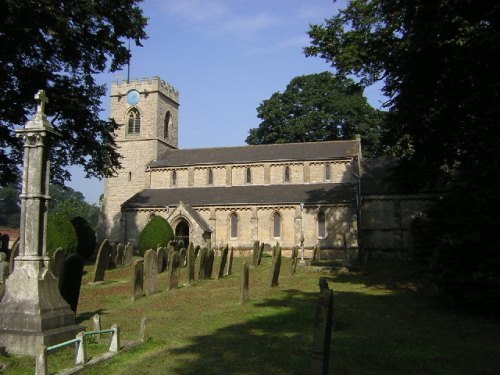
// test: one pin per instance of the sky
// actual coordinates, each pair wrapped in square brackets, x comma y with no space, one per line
[224,57]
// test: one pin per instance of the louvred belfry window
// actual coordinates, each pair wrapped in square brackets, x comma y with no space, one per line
[134,121]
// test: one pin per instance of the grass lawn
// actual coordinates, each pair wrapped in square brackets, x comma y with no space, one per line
[383,326]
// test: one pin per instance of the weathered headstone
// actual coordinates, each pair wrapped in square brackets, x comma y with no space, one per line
[173,271]
[102,261]
[120,254]
[129,251]
[295,253]
[138,279]
[196,251]
[223,262]
[275,267]
[4,267]
[161,254]
[70,280]
[96,324]
[229,268]
[13,254]
[209,265]
[58,258]
[143,330]
[261,251]
[255,253]
[150,272]
[182,257]
[112,256]
[245,277]
[190,262]
[202,263]
[323,323]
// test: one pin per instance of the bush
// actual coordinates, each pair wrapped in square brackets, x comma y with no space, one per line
[157,232]
[86,237]
[61,233]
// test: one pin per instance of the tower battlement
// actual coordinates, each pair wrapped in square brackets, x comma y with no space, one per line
[145,86]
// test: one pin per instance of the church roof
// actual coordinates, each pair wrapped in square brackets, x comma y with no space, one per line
[258,153]
[240,195]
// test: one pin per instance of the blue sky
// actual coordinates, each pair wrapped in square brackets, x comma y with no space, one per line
[225,57]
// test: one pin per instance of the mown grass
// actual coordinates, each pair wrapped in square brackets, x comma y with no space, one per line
[383,325]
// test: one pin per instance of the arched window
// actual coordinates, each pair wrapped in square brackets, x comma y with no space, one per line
[134,121]
[174,178]
[166,125]
[276,225]
[286,176]
[248,176]
[321,224]
[328,174]
[210,176]
[233,220]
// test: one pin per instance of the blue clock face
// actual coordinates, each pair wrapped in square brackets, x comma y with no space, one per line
[133,97]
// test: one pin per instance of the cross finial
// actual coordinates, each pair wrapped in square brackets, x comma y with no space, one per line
[41,100]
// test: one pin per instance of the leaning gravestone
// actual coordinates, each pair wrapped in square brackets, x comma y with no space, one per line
[255,254]
[138,279]
[102,261]
[150,272]
[209,265]
[323,324]
[275,267]
[245,276]
[13,254]
[120,254]
[223,262]
[4,267]
[202,263]
[261,251]
[161,254]
[127,258]
[57,263]
[190,262]
[112,256]
[295,253]
[173,271]
[70,280]
[230,262]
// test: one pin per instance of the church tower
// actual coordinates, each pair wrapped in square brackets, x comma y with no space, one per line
[147,114]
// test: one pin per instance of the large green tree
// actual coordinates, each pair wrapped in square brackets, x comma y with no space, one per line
[318,107]
[59,46]
[439,66]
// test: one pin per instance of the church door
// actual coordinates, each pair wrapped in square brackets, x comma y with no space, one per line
[182,232]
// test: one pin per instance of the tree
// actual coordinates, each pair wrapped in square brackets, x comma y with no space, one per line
[437,60]
[59,46]
[157,232]
[318,107]
[61,233]
[10,212]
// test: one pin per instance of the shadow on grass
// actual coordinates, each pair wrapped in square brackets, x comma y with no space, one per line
[82,317]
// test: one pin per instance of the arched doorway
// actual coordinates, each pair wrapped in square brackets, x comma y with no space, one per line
[182,232]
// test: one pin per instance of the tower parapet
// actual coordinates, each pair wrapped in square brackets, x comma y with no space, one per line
[145,86]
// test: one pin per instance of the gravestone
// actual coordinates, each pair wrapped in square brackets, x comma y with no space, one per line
[182,257]
[120,254]
[127,257]
[202,263]
[190,262]
[295,253]
[209,265]
[323,284]
[102,261]
[150,272]
[223,262]
[255,254]
[261,251]
[4,267]
[244,282]
[173,271]
[112,256]
[229,268]
[161,254]
[138,279]
[323,323]
[13,254]
[70,280]
[196,251]
[275,267]
[57,263]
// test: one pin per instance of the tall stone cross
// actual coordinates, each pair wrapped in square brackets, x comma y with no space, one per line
[32,311]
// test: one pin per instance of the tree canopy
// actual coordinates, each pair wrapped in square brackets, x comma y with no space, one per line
[318,107]
[439,67]
[59,46]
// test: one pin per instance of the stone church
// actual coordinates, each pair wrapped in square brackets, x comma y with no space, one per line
[285,193]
